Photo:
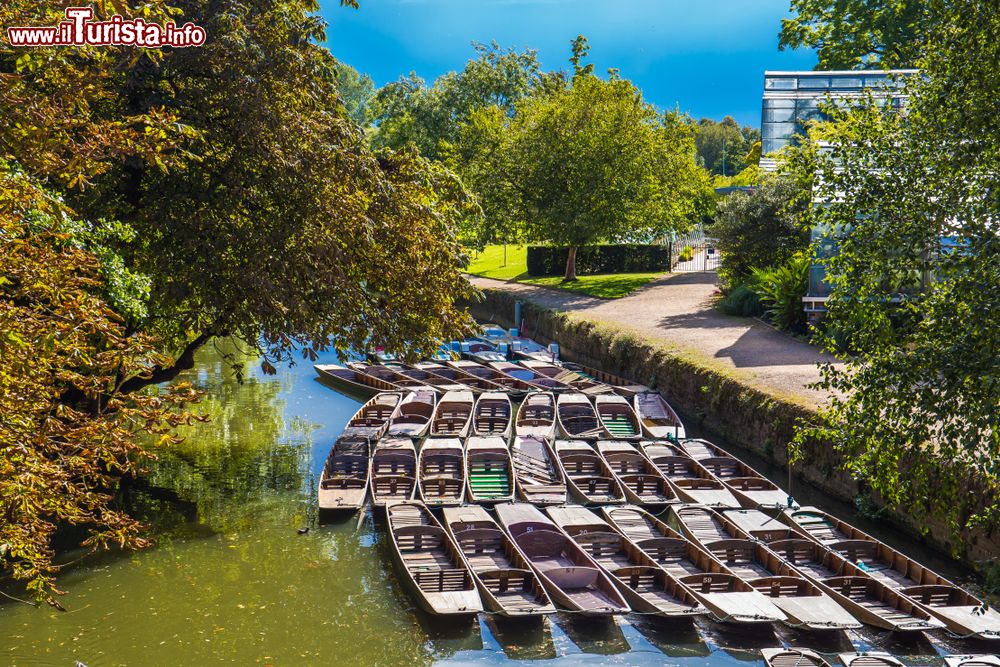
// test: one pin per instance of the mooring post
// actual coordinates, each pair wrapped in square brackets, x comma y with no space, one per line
[517,315]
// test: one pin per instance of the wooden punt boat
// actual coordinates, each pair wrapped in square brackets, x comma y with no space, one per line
[507,584]
[972,661]
[480,352]
[433,568]
[726,596]
[453,415]
[386,374]
[536,415]
[868,660]
[474,383]
[412,417]
[571,577]
[493,415]
[963,613]
[588,476]
[343,484]
[641,482]
[430,379]
[574,380]
[441,472]
[869,600]
[394,471]
[658,418]
[508,383]
[748,486]
[647,587]
[352,380]
[618,417]
[758,525]
[372,419]
[691,482]
[576,418]
[537,380]
[489,471]
[792,657]
[622,386]
[538,477]
[806,606]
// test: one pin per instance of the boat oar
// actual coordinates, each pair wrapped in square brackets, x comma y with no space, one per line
[362,513]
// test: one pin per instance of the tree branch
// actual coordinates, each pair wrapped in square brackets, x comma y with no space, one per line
[183,362]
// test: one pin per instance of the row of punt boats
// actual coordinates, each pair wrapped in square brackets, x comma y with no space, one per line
[796,657]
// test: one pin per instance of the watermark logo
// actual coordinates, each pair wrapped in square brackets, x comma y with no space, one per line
[80,29]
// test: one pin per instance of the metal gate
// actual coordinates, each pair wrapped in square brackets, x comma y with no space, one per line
[694,253]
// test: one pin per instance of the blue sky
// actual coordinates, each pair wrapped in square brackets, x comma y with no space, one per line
[706,56]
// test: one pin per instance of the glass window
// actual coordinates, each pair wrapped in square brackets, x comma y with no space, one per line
[779,104]
[786,83]
[779,115]
[814,82]
[846,82]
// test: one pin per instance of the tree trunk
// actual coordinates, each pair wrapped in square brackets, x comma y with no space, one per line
[505,253]
[570,266]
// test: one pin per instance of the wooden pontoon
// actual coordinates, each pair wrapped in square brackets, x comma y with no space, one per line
[372,419]
[576,418]
[622,386]
[748,486]
[658,419]
[588,476]
[433,568]
[869,600]
[509,384]
[536,415]
[344,482]
[806,606]
[647,587]
[412,417]
[351,380]
[571,577]
[576,382]
[868,660]
[507,584]
[537,380]
[963,613]
[394,471]
[493,415]
[972,661]
[441,472]
[691,482]
[641,482]
[453,415]
[726,596]
[480,352]
[538,477]
[475,383]
[489,472]
[792,657]
[618,417]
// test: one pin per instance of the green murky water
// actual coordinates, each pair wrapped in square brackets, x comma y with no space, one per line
[231,582]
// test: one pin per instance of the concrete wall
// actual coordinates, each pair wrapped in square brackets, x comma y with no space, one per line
[749,417]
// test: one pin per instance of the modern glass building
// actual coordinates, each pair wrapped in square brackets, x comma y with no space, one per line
[791,99]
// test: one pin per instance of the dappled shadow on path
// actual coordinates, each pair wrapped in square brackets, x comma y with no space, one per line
[762,346]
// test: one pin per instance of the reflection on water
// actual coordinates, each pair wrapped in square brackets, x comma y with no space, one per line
[231,580]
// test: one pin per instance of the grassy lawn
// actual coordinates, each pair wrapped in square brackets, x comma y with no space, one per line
[489,264]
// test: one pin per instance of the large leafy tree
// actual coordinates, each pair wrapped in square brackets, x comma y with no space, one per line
[855,34]
[723,147]
[912,201]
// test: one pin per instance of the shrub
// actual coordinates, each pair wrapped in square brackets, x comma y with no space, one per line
[781,288]
[743,302]
[686,254]
[623,258]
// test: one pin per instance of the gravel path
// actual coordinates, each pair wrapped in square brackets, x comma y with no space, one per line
[677,311]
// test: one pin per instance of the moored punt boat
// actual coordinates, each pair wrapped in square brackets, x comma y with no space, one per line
[536,415]
[538,478]
[726,596]
[412,417]
[493,415]
[972,661]
[441,472]
[385,374]
[647,587]
[868,660]
[480,352]
[641,482]
[430,379]
[576,418]
[792,657]
[806,606]
[536,380]
[573,379]
[352,380]
[622,386]
[507,583]
[691,482]
[453,415]
[372,419]
[748,486]
[963,613]
[572,579]
[344,482]
[758,525]
[488,469]
[433,568]
[658,419]
[588,476]
[618,417]
[394,471]
[473,382]
[508,383]
[869,600]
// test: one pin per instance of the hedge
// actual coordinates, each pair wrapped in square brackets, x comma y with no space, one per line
[551,261]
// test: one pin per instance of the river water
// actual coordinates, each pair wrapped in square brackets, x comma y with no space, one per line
[231,581]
